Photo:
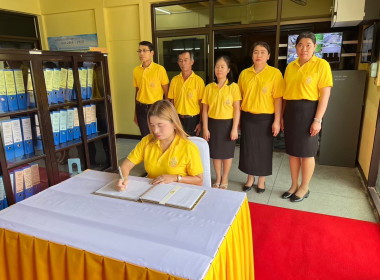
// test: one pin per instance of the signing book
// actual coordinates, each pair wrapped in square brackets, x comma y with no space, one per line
[171,195]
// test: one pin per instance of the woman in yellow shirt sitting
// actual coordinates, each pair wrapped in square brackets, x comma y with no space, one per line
[167,153]
[220,117]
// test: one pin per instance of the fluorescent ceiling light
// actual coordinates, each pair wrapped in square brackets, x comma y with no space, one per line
[162,10]
[186,49]
[228,47]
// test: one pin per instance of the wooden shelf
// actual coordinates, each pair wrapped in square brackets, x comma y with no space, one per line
[63,105]
[96,136]
[36,62]
[24,160]
[68,145]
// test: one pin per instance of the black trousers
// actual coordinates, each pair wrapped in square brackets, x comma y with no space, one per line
[189,123]
[142,118]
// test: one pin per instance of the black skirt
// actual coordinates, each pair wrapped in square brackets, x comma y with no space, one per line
[298,118]
[256,144]
[221,146]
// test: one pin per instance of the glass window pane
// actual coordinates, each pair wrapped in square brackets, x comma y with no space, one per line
[70,162]
[59,81]
[191,15]
[95,119]
[237,45]
[305,9]
[170,47]
[244,12]
[91,80]
[26,142]
[99,154]
[17,25]
[16,45]
[16,86]
[32,178]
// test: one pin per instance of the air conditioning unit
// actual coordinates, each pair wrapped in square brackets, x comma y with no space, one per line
[347,13]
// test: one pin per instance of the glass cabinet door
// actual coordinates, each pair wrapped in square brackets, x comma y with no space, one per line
[28,179]
[93,95]
[3,195]
[20,128]
[62,94]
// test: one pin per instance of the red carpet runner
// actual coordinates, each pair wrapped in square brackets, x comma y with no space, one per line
[291,244]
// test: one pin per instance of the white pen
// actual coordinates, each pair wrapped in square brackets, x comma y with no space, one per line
[121,175]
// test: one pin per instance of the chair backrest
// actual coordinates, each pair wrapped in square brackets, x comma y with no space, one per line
[205,158]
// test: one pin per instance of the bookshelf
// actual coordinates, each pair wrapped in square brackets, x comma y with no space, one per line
[65,115]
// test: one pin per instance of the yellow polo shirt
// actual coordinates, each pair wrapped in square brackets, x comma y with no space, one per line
[149,81]
[305,82]
[260,89]
[220,101]
[181,158]
[186,94]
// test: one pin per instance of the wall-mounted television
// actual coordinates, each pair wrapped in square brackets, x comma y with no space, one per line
[329,46]
[368,53]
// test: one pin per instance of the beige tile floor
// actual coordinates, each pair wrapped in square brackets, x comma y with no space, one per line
[337,191]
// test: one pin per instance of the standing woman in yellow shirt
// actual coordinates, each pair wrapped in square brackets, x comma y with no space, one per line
[308,82]
[262,87]
[220,117]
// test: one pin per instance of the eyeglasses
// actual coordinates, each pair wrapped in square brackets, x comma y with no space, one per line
[143,51]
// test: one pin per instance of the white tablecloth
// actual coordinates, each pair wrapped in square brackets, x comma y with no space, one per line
[178,242]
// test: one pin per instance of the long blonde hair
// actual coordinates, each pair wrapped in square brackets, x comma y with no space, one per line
[164,109]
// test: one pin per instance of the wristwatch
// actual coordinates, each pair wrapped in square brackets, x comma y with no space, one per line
[179,178]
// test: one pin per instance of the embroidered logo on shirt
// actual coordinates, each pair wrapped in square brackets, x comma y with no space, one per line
[152,84]
[308,80]
[265,89]
[190,95]
[173,162]
[228,102]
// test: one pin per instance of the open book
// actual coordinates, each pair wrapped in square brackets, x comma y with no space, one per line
[164,194]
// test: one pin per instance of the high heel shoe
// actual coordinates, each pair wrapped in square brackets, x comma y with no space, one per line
[286,195]
[295,198]
[260,190]
[248,188]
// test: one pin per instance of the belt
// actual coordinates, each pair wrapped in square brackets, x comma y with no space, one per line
[186,116]
[142,104]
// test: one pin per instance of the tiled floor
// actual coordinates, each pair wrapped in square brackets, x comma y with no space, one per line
[337,191]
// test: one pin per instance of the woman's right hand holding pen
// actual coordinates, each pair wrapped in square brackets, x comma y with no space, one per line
[123,181]
[122,185]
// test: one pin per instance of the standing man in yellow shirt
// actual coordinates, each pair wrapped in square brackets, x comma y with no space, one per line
[151,83]
[186,92]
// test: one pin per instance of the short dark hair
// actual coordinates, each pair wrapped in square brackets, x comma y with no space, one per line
[148,44]
[307,35]
[260,43]
[230,76]
[187,51]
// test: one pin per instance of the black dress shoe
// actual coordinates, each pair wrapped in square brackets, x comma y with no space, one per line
[295,198]
[247,188]
[286,195]
[260,190]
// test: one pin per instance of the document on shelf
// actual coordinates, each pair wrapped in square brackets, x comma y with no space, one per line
[10,82]
[19,81]
[164,194]
[70,78]
[48,73]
